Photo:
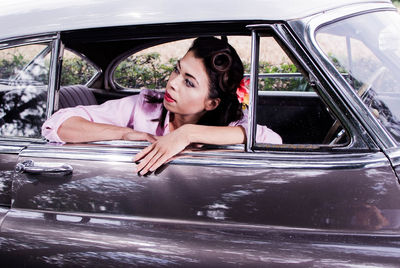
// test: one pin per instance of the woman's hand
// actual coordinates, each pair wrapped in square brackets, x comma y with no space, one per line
[161,151]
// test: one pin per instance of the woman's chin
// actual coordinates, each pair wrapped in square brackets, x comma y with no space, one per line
[168,105]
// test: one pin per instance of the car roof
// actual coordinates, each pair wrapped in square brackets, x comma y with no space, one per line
[26,17]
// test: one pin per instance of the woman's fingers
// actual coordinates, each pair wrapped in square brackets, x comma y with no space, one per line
[160,161]
[161,151]
[152,158]
[147,163]
[143,153]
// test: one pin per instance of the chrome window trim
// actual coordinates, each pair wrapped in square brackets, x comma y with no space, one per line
[56,59]
[381,136]
[251,128]
[27,40]
[233,159]
[299,94]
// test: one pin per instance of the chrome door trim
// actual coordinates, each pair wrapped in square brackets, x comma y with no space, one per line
[37,213]
[275,159]
[308,28]
[394,155]
[10,149]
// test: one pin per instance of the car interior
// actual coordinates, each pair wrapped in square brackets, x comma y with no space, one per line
[299,116]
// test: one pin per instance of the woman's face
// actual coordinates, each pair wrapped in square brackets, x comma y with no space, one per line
[187,89]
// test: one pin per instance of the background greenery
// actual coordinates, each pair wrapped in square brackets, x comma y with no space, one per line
[147,71]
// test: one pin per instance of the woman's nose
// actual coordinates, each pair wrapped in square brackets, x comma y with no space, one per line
[174,81]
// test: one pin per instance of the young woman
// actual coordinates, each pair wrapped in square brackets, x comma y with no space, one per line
[200,105]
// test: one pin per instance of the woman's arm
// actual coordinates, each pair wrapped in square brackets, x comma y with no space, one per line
[117,112]
[78,129]
[164,148]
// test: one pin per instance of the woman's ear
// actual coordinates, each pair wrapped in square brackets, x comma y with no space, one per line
[211,104]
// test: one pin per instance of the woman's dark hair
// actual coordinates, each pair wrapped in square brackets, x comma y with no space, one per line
[225,71]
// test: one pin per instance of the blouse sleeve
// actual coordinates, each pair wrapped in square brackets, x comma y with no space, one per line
[116,112]
[263,133]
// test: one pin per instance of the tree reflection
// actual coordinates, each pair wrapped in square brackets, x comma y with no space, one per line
[23,91]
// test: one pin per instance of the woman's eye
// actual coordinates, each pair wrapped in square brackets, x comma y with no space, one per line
[176,70]
[189,83]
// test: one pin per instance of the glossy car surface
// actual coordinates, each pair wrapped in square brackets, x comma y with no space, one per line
[328,197]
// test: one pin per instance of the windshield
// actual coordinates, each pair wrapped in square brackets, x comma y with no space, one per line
[366,50]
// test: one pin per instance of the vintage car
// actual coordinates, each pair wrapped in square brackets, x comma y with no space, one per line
[323,74]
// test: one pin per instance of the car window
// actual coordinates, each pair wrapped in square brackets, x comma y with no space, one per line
[24,75]
[151,67]
[287,104]
[367,55]
[76,69]
[77,73]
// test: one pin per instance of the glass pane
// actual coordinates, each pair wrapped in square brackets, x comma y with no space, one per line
[276,71]
[366,50]
[24,75]
[287,105]
[150,68]
[76,70]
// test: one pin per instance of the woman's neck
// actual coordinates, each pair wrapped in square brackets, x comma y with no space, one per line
[177,120]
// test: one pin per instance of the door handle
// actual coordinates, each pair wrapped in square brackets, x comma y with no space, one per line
[30,167]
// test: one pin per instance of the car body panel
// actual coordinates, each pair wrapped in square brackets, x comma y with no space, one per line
[55,239]
[226,189]
[194,214]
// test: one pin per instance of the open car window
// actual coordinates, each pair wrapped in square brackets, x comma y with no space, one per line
[289,105]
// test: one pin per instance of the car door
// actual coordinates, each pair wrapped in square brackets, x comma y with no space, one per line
[292,203]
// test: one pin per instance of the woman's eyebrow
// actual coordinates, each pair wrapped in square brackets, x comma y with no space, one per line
[188,74]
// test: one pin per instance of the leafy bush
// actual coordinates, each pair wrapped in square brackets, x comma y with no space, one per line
[10,67]
[144,71]
[147,71]
[75,71]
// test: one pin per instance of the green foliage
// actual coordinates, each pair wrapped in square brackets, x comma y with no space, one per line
[76,71]
[10,67]
[147,71]
[280,83]
[144,71]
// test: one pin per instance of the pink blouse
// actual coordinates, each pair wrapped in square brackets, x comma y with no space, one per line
[135,112]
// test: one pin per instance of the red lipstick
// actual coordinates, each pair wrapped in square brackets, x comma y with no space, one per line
[168,97]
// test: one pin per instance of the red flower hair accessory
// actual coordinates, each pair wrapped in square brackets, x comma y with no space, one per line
[242,92]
